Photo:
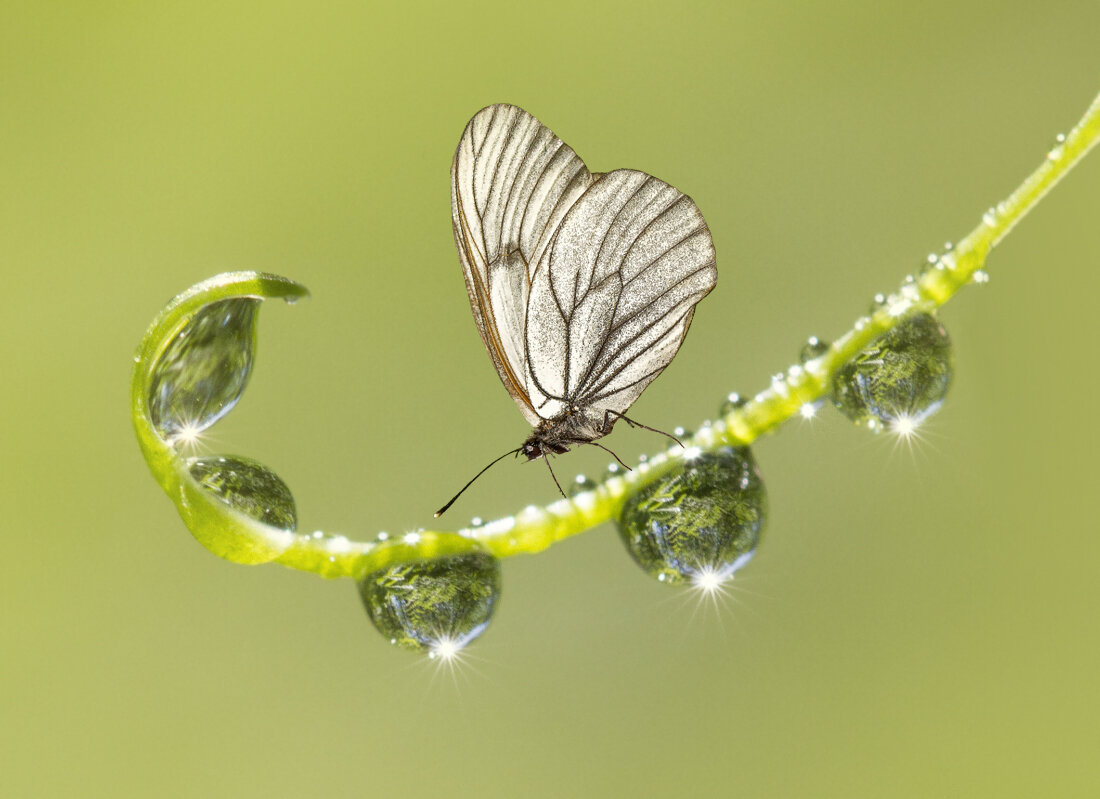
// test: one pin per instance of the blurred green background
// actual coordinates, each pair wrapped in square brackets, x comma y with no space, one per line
[916,623]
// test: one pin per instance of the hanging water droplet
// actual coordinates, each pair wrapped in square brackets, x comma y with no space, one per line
[903,376]
[436,606]
[948,246]
[581,484]
[476,521]
[700,522]
[980,277]
[682,432]
[613,470]
[813,348]
[248,487]
[877,302]
[202,373]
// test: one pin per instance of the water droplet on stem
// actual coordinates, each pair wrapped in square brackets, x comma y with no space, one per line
[700,522]
[203,371]
[905,374]
[436,606]
[248,487]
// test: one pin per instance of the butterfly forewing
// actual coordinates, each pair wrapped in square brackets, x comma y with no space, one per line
[582,285]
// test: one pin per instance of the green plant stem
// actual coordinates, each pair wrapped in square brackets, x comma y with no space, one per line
[536,528]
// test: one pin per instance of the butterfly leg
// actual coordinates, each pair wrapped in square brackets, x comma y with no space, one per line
[634,424]
[613,455]
[548,466]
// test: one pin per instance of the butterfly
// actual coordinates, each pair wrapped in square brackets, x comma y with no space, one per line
[582,284]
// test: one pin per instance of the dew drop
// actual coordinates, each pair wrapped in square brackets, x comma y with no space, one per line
[476,521]
[878,302]
[731,403]
[612,470]
[581,484]
[682,432]
[703,520]
[980,277]
[435,606]
[1058,148]
[904,375]
[203,371]
[813,348]
[248,487]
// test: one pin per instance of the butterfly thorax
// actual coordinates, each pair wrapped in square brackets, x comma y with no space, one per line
[571,428]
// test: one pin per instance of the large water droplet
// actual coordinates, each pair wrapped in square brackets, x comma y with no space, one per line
[436,606]
[248,487]
[202,373]
[701,522]
[901,379]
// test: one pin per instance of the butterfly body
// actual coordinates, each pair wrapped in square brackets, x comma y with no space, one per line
[582,284]
[558,435]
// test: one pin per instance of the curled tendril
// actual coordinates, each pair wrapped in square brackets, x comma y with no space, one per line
[190,370]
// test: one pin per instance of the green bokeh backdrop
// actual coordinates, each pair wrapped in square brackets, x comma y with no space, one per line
[916,624]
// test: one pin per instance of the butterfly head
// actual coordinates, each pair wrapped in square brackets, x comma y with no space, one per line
[531,449]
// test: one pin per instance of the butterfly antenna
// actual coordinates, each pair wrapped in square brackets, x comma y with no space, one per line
[613,455]
[632,423]
[443,510]
[548,466]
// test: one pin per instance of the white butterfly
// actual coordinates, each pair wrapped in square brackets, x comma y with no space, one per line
[582,284]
